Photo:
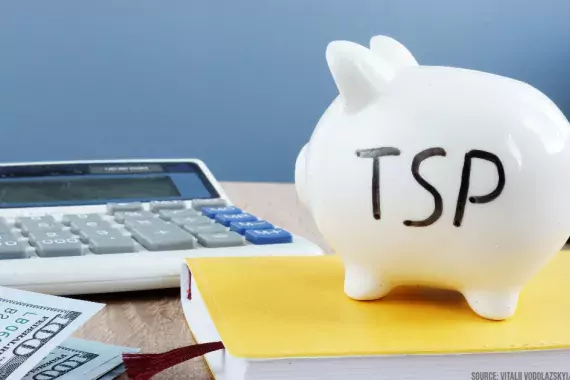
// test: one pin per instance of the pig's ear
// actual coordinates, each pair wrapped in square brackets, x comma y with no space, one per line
[360,75]
[392,51]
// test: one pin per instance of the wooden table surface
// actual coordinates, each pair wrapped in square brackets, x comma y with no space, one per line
[153,320]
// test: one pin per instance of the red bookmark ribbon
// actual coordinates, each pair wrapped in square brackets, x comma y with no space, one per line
[145,366]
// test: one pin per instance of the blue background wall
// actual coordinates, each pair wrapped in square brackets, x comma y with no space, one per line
[238,83]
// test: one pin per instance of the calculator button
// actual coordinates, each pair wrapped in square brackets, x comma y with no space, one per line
[28,226]
[269,236]
[226,219]
[192,220]
[87,233]
[78,225]
[169,214]
[107,244]
[199,204]
[211,212]
[163,239]
[35,236]
[220,239]
[4,227]
[22,220]
[12,248]
[112,208]
[166,205]
[80,218]
[148,222]
[204,228]
[59,247]
[120,217]
[241,227]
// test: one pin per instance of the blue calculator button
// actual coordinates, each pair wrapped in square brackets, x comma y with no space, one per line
[241,227]
[211,212]
[226,219]
[269,236]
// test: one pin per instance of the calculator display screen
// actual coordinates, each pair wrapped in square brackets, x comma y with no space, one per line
[100,184]
[85,189]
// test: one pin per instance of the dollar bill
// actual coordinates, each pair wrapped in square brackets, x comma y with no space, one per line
[114,373]
[114,367]
[76,359]
[33,324]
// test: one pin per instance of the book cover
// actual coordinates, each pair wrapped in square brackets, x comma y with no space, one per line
[275,307]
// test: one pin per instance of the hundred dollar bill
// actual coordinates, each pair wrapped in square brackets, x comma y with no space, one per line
[33,324]
[113,367]
[114,373]
[79,359]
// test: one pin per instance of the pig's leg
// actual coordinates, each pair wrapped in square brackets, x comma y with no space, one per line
[364,283]
[496,305]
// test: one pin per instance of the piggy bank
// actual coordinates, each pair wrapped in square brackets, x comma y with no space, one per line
[436,176]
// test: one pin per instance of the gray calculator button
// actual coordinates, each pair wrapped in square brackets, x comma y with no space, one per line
[148,223]
[166,205]
[35,236]
[78,225]
[221,239]
[111,244]
[87,234]
[4,227]
[80,218]
[28,226]
[22,220]
[59,247]
[12,248]
[169,214]
[163,239]
[199,204]
[204,228]
[112,208]
[120,217]
[192,220]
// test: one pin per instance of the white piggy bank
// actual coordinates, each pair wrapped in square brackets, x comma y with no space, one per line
[436,176]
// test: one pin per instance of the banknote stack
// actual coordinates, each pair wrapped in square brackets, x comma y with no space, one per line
[36,342]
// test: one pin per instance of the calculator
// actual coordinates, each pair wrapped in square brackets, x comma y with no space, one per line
[122,225]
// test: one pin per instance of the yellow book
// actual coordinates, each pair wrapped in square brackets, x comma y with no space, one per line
[288,318]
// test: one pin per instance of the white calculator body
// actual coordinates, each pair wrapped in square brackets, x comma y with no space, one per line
[121,225]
